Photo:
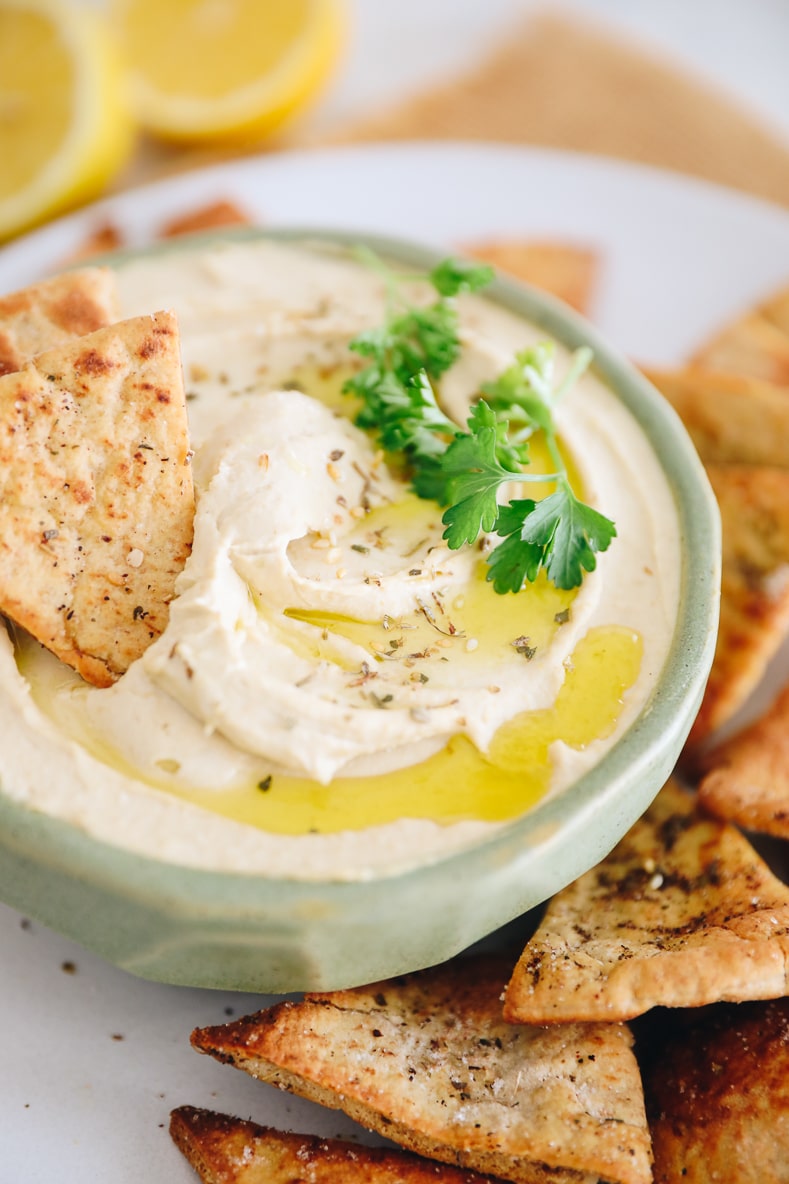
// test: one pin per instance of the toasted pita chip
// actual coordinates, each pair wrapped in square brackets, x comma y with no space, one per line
[225,1150]
[213,216]
[52,313]
[428,1061]
[732,419]
[718,1091]
[683,912]
[96,499]
[562,269]
[776,309]
[754,504]
[102,240]
[752,345]
[747,779]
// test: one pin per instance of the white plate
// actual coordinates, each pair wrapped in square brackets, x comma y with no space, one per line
[93,1059]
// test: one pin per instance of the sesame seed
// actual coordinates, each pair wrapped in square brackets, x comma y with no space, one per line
[135,557]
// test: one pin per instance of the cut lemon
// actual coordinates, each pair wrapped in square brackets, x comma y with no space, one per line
[226,70]
[65,127]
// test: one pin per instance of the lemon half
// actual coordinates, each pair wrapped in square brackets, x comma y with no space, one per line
[226,70]
[65,125]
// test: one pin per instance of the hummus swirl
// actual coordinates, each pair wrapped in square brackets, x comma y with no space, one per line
[321,627]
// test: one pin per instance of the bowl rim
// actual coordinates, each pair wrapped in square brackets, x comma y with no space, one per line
[661,725]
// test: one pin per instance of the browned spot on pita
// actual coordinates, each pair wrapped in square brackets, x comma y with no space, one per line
[96,498]
[225,1150]
[564,270]
[747,779]
[731,418]
[52,313]
[428,1061]
[754,504]
[717,1087]
[682,913]
[752,345]
[212,216]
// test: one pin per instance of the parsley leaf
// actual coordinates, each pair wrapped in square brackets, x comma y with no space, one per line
[453,276]
[474,474]
[465,470]
[569,533]
[514,562]
[522,392]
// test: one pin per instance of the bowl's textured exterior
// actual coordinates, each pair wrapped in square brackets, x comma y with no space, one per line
[252,933]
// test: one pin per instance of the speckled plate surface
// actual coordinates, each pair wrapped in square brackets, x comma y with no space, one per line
[666,282]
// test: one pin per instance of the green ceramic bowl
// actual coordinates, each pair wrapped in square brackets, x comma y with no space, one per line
[248,932]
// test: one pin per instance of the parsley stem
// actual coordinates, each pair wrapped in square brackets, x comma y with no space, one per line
[579,363]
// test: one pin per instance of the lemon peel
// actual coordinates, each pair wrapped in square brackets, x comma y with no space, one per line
[226,71]
[65,123]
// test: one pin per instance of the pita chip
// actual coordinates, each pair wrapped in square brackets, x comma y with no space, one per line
[731,418]
[752,345]
[428,1061]
[213,216]
[224,1150]
[747,778]
[96,498]
[102,239]
[754,620]
[718,1095]
[683,912]
[564,270]
[53,313]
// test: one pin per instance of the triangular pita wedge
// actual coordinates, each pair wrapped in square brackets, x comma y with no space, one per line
[564,270]
[428,1061]
[102,239]
[732,419]
[225,1150]
[52,313]
[683,912]
[752,345]
[718,1090]
[212,216]
[747,779]
[96,499]
[754,504]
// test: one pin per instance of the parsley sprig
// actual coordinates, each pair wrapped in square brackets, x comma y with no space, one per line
[465,470]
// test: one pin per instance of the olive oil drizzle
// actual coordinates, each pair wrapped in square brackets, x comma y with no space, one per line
[459,783]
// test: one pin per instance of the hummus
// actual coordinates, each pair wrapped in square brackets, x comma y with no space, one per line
[337,693]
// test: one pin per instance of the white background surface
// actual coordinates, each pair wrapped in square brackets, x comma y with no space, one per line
[77,1104]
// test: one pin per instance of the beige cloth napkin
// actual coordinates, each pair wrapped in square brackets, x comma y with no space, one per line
[565,83]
